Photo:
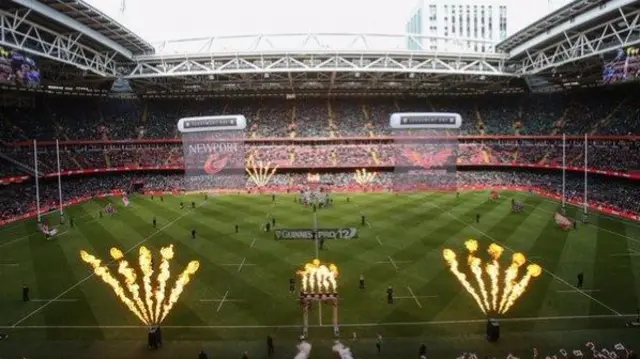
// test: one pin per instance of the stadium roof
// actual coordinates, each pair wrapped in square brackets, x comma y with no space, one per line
[559,16]
[95,20]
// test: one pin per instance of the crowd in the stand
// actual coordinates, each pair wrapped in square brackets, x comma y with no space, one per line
[20,198]
[611,155]
[606,111]
[611,110]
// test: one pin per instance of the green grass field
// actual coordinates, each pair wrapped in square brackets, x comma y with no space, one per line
[74,314]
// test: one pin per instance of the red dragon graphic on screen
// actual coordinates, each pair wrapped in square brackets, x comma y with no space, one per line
[428,160]
[215,163]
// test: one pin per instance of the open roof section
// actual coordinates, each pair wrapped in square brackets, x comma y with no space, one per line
[539,27]
[101,24]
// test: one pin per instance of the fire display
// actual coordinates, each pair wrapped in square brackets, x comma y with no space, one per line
[259,172]
[494,291]
[363,177]
[318,279]
[148,299]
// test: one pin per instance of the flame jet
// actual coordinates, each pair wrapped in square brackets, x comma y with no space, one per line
[475,264]
[450,258]
[157,302]
[493,270]
[503,294]
[511,273]
[318,278]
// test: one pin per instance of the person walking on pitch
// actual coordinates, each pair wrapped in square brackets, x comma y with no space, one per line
[362,218]
[477,217]
[25,293]
[193,205]
[580,280]
[361,281]
[270,347]
[154,222]
[379,343]
[292,285]
[193,233]
[236,228]
[390,295]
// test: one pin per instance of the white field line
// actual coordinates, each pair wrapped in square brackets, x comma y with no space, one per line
[545,270]
[389,262]
[19,239]
[581,290]
[392,262]
[414,297]
[368,223]
[593,225]
[593,212]
[378,239]
[53,300]
[92,273]
[630,254]
[9,264]
[253,242]
[59,234]
[236,264]
[242,264]
[320,313]
[222,301]
[417,296]
[380,324]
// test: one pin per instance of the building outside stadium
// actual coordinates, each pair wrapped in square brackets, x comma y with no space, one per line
[331,192]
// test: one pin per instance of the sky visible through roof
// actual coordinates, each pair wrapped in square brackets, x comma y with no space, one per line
[158,20]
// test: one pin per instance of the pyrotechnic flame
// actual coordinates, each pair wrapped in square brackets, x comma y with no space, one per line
[260,173]
[475,264]
[163,276]
[363,177]
[450,257]
[533,270]
[493,270]
[511,274]
[498,302]
[319,278]
[156,304]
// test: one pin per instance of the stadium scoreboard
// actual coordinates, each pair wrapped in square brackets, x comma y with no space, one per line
[212,123]
[426,120]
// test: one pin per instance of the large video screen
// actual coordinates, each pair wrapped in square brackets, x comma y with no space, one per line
[16,68]
[623,65]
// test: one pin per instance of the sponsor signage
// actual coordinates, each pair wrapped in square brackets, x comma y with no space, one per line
[323,233]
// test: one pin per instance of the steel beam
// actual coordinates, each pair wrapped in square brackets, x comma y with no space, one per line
[17,32]
[328,43]
[406,63]
[620,32]
[74,25]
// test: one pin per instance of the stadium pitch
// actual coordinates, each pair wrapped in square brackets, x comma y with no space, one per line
[240,293]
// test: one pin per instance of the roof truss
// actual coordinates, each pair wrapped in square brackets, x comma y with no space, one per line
[267,65]
[620,32]
[17,31]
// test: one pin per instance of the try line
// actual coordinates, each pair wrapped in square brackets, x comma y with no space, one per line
[380,324]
